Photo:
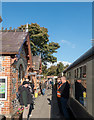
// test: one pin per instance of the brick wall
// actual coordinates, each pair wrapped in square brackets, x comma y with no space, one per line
[6,69]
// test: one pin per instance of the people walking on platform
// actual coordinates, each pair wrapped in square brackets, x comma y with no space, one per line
[43,87]
[25,99]
[40,87]
[79,90]
[64,95]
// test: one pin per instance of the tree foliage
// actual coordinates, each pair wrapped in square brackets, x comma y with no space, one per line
[60,68]
[39,40]
[54,70]
[44,70]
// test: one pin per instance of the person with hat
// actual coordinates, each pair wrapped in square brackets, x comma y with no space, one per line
[25,98]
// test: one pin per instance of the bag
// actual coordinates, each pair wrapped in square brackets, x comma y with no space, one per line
[36,95]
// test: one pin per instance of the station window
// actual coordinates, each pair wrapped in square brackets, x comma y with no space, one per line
[20,74]
[3,88]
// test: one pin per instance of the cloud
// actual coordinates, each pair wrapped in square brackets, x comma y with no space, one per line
[64,62]
[68,43]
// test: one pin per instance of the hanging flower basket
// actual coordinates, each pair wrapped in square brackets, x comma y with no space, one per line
[20,110]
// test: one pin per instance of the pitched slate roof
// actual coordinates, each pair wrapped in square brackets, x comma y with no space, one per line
[11,41]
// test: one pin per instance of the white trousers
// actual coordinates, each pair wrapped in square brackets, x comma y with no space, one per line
[25,112]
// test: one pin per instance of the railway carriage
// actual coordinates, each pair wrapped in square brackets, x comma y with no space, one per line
[82,69]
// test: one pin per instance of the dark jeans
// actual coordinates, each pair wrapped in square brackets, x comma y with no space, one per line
[64,107]
[59,104]
[30,110]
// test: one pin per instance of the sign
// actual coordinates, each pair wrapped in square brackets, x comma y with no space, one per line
[3,88]
[39,75]
[31,73]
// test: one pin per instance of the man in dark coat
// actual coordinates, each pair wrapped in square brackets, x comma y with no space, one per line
[79,89]
[64,90]
[25,98]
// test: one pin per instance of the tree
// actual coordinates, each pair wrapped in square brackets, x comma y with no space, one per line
[66,66]
[60,68]
[39,40]
[52,71]
[44,70]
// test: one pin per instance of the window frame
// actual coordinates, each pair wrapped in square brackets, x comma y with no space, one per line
[4,77]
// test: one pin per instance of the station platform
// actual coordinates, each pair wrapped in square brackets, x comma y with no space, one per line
[46,106]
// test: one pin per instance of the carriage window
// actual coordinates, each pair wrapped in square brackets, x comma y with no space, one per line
[69,74]
[84,71]
[80,72]
[75,74]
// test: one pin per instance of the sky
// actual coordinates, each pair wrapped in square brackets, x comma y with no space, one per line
[68,23]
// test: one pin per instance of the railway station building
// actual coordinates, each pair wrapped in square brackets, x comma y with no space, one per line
[16,63]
